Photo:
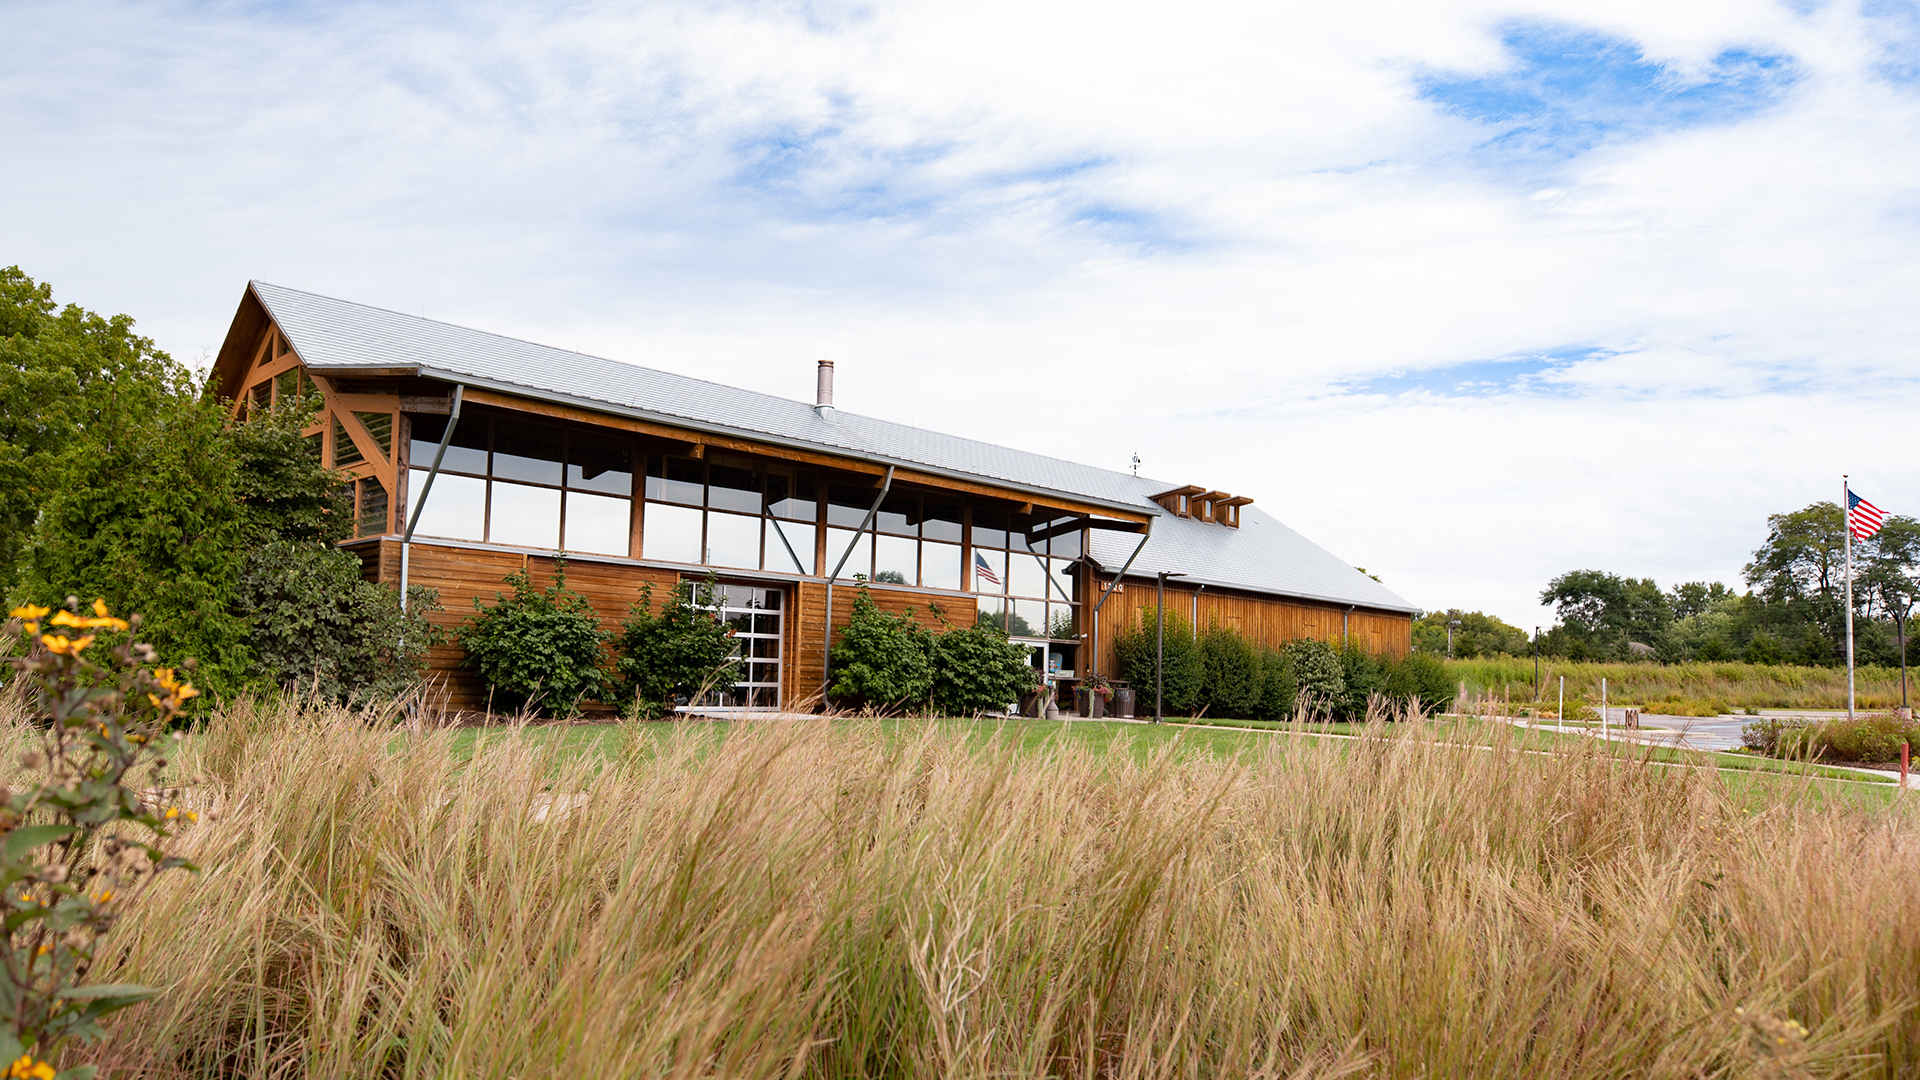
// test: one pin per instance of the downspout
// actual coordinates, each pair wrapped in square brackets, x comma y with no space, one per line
[826,651]
[413,518]
[1197,590]
[1093,664]
[1344,617]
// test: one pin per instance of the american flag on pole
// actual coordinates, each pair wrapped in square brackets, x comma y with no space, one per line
[982,570]
[1863,518]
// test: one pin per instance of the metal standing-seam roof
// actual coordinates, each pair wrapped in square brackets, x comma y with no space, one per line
[1262,555]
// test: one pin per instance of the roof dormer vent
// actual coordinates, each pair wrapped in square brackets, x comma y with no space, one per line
[1195,501]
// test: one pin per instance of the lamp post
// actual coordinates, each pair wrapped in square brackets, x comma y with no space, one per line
[1451,623]
[1160,640]
[1536,663]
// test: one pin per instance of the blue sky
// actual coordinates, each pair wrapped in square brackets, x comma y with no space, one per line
[1472,294]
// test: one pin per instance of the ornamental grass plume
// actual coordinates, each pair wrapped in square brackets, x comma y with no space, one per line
[845,898]
[79,841]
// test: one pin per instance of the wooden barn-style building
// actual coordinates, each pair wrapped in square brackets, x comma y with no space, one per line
[645,477]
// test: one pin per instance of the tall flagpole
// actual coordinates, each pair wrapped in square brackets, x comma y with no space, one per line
[1846,528]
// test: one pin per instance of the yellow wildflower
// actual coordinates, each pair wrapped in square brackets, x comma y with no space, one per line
[193,817]
[100,620]
[25,1068]
[105,897]
[180,689]
[172,812]
[65,646]
[32,613]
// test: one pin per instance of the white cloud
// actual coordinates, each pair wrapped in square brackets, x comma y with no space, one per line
[1082,229]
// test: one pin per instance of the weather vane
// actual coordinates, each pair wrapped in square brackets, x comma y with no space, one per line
[1136,464]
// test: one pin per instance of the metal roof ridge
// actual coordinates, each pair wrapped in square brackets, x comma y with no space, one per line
[865,444]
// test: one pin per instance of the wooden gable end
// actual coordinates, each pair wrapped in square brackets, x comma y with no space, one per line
[358,433]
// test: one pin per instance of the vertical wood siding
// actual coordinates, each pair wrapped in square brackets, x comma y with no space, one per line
[1263,620]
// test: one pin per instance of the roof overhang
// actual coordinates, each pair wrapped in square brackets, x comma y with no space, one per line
[1237,586]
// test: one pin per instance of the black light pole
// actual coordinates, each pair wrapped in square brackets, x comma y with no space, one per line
[1536,663]
[1160,639]
[1451,623]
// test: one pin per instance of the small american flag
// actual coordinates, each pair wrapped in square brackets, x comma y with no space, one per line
[982,570]
[1863,518]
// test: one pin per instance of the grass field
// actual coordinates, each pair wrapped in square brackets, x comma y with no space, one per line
[842,899]
[1699,689]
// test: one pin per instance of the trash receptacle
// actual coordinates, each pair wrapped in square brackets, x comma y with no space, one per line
[1122,701]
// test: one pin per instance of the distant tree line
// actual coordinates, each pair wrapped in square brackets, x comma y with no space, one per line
[1793,611]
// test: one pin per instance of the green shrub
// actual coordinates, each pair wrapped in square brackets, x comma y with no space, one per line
[679,653]
[976,669]
[542,649]
[1422,677]
[1317,673]
[1876,737]
[672,656]
[1363,675]
[1183,674]
[1230,674]
[882,662]
[1278,689]
[1868,738]
[320,629]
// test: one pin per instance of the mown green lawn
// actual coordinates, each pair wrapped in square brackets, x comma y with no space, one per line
[1758,780]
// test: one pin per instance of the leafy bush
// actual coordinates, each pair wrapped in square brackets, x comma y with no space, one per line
[1318,673]
[676,654]
[1363,675]
[1866,738]
[1183,673]
[882,662]
[1230,674]
[83,838]
[542,649]
[1278,689]
[976,669]
[1422,677]
[318,627]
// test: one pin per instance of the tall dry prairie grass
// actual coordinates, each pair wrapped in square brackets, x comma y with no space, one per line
[1728,685]
[826,900]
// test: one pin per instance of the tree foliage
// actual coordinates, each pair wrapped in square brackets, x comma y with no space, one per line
[1478,635]
[1793,612]
[65,375]
[120,479]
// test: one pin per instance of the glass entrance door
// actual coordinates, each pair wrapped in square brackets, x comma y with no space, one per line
[754,612]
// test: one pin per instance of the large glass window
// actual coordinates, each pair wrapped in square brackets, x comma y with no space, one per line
[789,547]
[507,481]
[524,516]
[597,524]
[733,540]
[671,533]
[1035,574]
[603,465]
[456,510]
[896,560]
[939,565]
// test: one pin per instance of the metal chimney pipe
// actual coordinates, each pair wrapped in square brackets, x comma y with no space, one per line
[823,390]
